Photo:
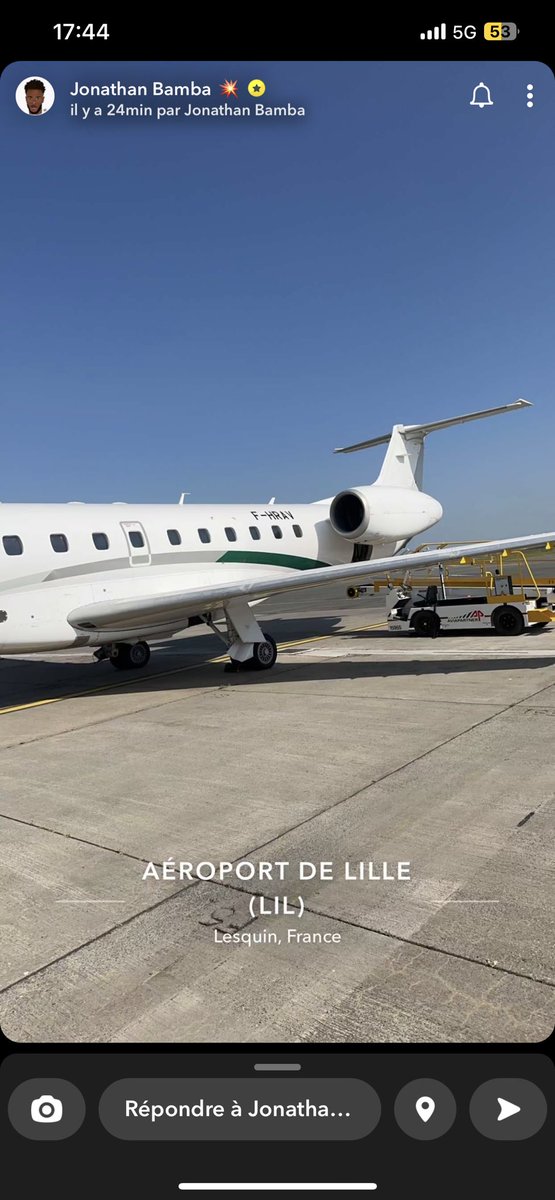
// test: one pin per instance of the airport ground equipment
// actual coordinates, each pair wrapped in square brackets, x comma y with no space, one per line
[493,599]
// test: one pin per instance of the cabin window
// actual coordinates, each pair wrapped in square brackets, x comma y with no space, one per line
[277,531]
[255,533]
[204,535]
[101,541]
[137,540]
[59,542]
[297,531]
[230,534]
[174,537]
[12,544]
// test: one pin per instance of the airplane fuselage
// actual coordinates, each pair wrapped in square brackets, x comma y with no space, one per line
[114,575]
[55,558]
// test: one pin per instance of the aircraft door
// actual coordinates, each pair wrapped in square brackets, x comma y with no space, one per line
[137,543]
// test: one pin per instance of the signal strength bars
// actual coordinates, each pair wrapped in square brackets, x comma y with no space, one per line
[438,33]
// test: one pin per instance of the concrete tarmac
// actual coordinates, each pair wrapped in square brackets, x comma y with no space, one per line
[359,746]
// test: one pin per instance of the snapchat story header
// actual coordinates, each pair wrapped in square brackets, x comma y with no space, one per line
[223,96]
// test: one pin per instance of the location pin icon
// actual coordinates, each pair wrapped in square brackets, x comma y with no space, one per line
[425,1107]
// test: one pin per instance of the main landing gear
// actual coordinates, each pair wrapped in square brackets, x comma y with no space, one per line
[263,657]
[125,656]
[249,648]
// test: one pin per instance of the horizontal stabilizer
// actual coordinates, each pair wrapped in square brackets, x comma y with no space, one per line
[419,431]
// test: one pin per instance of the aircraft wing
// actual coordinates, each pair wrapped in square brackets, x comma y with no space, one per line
[170,608]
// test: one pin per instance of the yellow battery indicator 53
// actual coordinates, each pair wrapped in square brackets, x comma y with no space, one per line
[500,31]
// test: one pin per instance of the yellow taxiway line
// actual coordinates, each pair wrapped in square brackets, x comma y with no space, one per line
[110,687]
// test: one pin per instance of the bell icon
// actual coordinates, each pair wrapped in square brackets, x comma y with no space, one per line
[481,96]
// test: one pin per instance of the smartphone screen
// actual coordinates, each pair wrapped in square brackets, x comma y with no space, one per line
[277,608]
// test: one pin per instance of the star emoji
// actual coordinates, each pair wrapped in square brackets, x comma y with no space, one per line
[229,88]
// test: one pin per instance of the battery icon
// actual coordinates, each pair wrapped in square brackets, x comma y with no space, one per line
[500,31]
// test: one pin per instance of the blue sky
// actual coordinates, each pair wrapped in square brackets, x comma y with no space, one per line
[212,306]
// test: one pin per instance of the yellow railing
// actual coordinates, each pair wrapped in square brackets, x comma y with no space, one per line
[485,579]
[505,554]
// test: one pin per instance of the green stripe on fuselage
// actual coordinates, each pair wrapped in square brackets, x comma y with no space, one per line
[263,558]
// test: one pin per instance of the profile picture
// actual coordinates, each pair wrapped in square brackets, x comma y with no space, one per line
[35,96]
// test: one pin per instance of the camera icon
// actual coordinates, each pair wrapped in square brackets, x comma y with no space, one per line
[46,1108]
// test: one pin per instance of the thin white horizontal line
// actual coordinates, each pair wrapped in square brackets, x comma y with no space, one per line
[278,1187]
[471,901]
[277,1066]
[90,901]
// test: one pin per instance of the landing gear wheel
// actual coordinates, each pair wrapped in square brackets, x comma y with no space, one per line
[508,620]
[128,657]
[264,654]
[263,657]
[426,624]
[139,655]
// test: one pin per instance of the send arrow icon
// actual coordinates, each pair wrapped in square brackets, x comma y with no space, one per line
[506,1109]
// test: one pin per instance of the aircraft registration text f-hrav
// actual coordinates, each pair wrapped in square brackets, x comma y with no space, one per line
[114,576]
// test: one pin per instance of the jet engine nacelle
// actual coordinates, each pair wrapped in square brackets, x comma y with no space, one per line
[382,514]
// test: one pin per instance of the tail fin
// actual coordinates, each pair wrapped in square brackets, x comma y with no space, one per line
[404,459]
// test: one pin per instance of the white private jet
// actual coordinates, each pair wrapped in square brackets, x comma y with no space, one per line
[114,575]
